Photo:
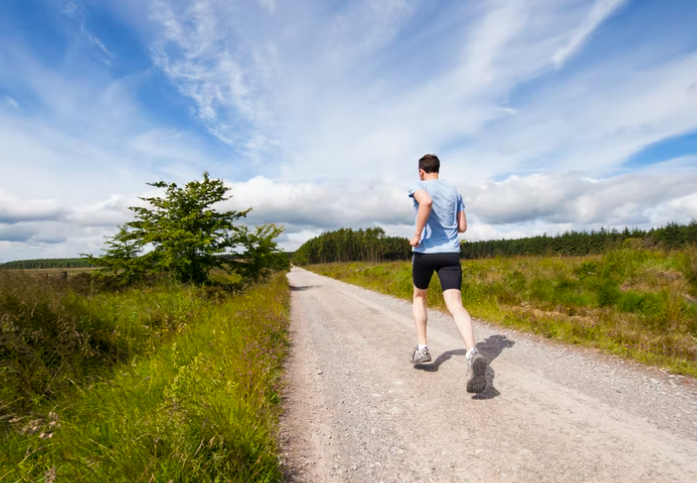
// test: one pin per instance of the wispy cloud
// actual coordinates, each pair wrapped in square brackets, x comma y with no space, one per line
[10,101]
[78,14]
[70,8]
[600,11]
[269,5]
[98,43]
[348,84]
[207,66]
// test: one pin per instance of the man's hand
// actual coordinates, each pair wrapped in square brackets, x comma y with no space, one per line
[415,241]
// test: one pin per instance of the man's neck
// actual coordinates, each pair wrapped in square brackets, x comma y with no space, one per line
[430,176]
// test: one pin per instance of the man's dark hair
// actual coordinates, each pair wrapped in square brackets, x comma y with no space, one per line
[430,163]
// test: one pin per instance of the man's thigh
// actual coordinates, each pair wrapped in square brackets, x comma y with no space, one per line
[422,270]
[450,272]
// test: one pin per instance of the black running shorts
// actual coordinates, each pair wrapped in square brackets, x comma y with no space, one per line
[447,265]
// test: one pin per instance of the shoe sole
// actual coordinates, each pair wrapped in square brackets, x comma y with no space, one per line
[421,362]
[477,383]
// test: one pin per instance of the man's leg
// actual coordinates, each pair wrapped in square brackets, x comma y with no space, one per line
[476,383]
[420,315]
[422,271]
[420,354]
[463,321]
[450,275]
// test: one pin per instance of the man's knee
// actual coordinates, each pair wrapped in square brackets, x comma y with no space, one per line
[420,293]
[453,299]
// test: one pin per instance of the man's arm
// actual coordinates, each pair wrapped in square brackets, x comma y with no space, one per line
[425,204]
[461,222]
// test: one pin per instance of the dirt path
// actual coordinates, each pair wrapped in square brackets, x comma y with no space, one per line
[356,410]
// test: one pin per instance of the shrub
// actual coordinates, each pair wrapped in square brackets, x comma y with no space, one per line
[607,292]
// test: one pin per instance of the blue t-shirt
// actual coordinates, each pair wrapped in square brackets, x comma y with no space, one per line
[440,232]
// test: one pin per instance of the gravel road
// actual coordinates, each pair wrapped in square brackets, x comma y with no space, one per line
[356,410]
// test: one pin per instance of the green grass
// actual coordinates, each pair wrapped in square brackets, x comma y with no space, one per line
[639,304]
[162,383]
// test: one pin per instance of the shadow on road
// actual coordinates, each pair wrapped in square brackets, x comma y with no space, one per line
[491,348]
[445,356]
[301,288]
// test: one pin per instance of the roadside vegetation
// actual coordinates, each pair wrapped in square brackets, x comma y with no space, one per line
[632,301]
[163,365]
[157,382]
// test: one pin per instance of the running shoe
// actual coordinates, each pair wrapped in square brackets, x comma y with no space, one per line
[477,365]
[420,356]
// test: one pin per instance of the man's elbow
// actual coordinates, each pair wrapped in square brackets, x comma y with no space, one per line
[462,228]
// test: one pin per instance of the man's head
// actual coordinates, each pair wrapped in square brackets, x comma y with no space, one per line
[429,165]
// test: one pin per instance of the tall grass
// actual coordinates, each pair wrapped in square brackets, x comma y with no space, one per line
[160,383]
[632,302]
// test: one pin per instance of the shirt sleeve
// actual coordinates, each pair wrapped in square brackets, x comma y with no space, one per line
[414,188]
[460,203]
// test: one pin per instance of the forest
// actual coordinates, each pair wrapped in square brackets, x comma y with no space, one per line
[574,243]
[347,245]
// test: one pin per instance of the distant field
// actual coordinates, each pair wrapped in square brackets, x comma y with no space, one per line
[54,271]
[46,263]
[636,303]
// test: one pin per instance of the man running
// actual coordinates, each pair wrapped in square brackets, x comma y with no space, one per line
[440,216]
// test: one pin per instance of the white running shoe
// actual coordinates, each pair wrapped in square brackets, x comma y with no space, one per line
[420,356]
[477,365]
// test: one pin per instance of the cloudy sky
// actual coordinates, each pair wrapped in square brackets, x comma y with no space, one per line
[548,115]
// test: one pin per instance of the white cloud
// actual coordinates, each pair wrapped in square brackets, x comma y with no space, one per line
[317,206]
[14,209]
[512,208]
[575,199]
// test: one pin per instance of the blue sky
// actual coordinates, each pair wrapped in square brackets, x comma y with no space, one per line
[547,115]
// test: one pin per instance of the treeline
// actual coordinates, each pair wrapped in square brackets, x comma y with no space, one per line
[46,263]
[347,245]
[671,236]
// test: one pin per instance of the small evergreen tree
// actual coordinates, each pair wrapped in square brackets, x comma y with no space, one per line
[184,236]
[121,256]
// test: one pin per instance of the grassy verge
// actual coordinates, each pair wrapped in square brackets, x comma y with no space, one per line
[639,304]
[163,383]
